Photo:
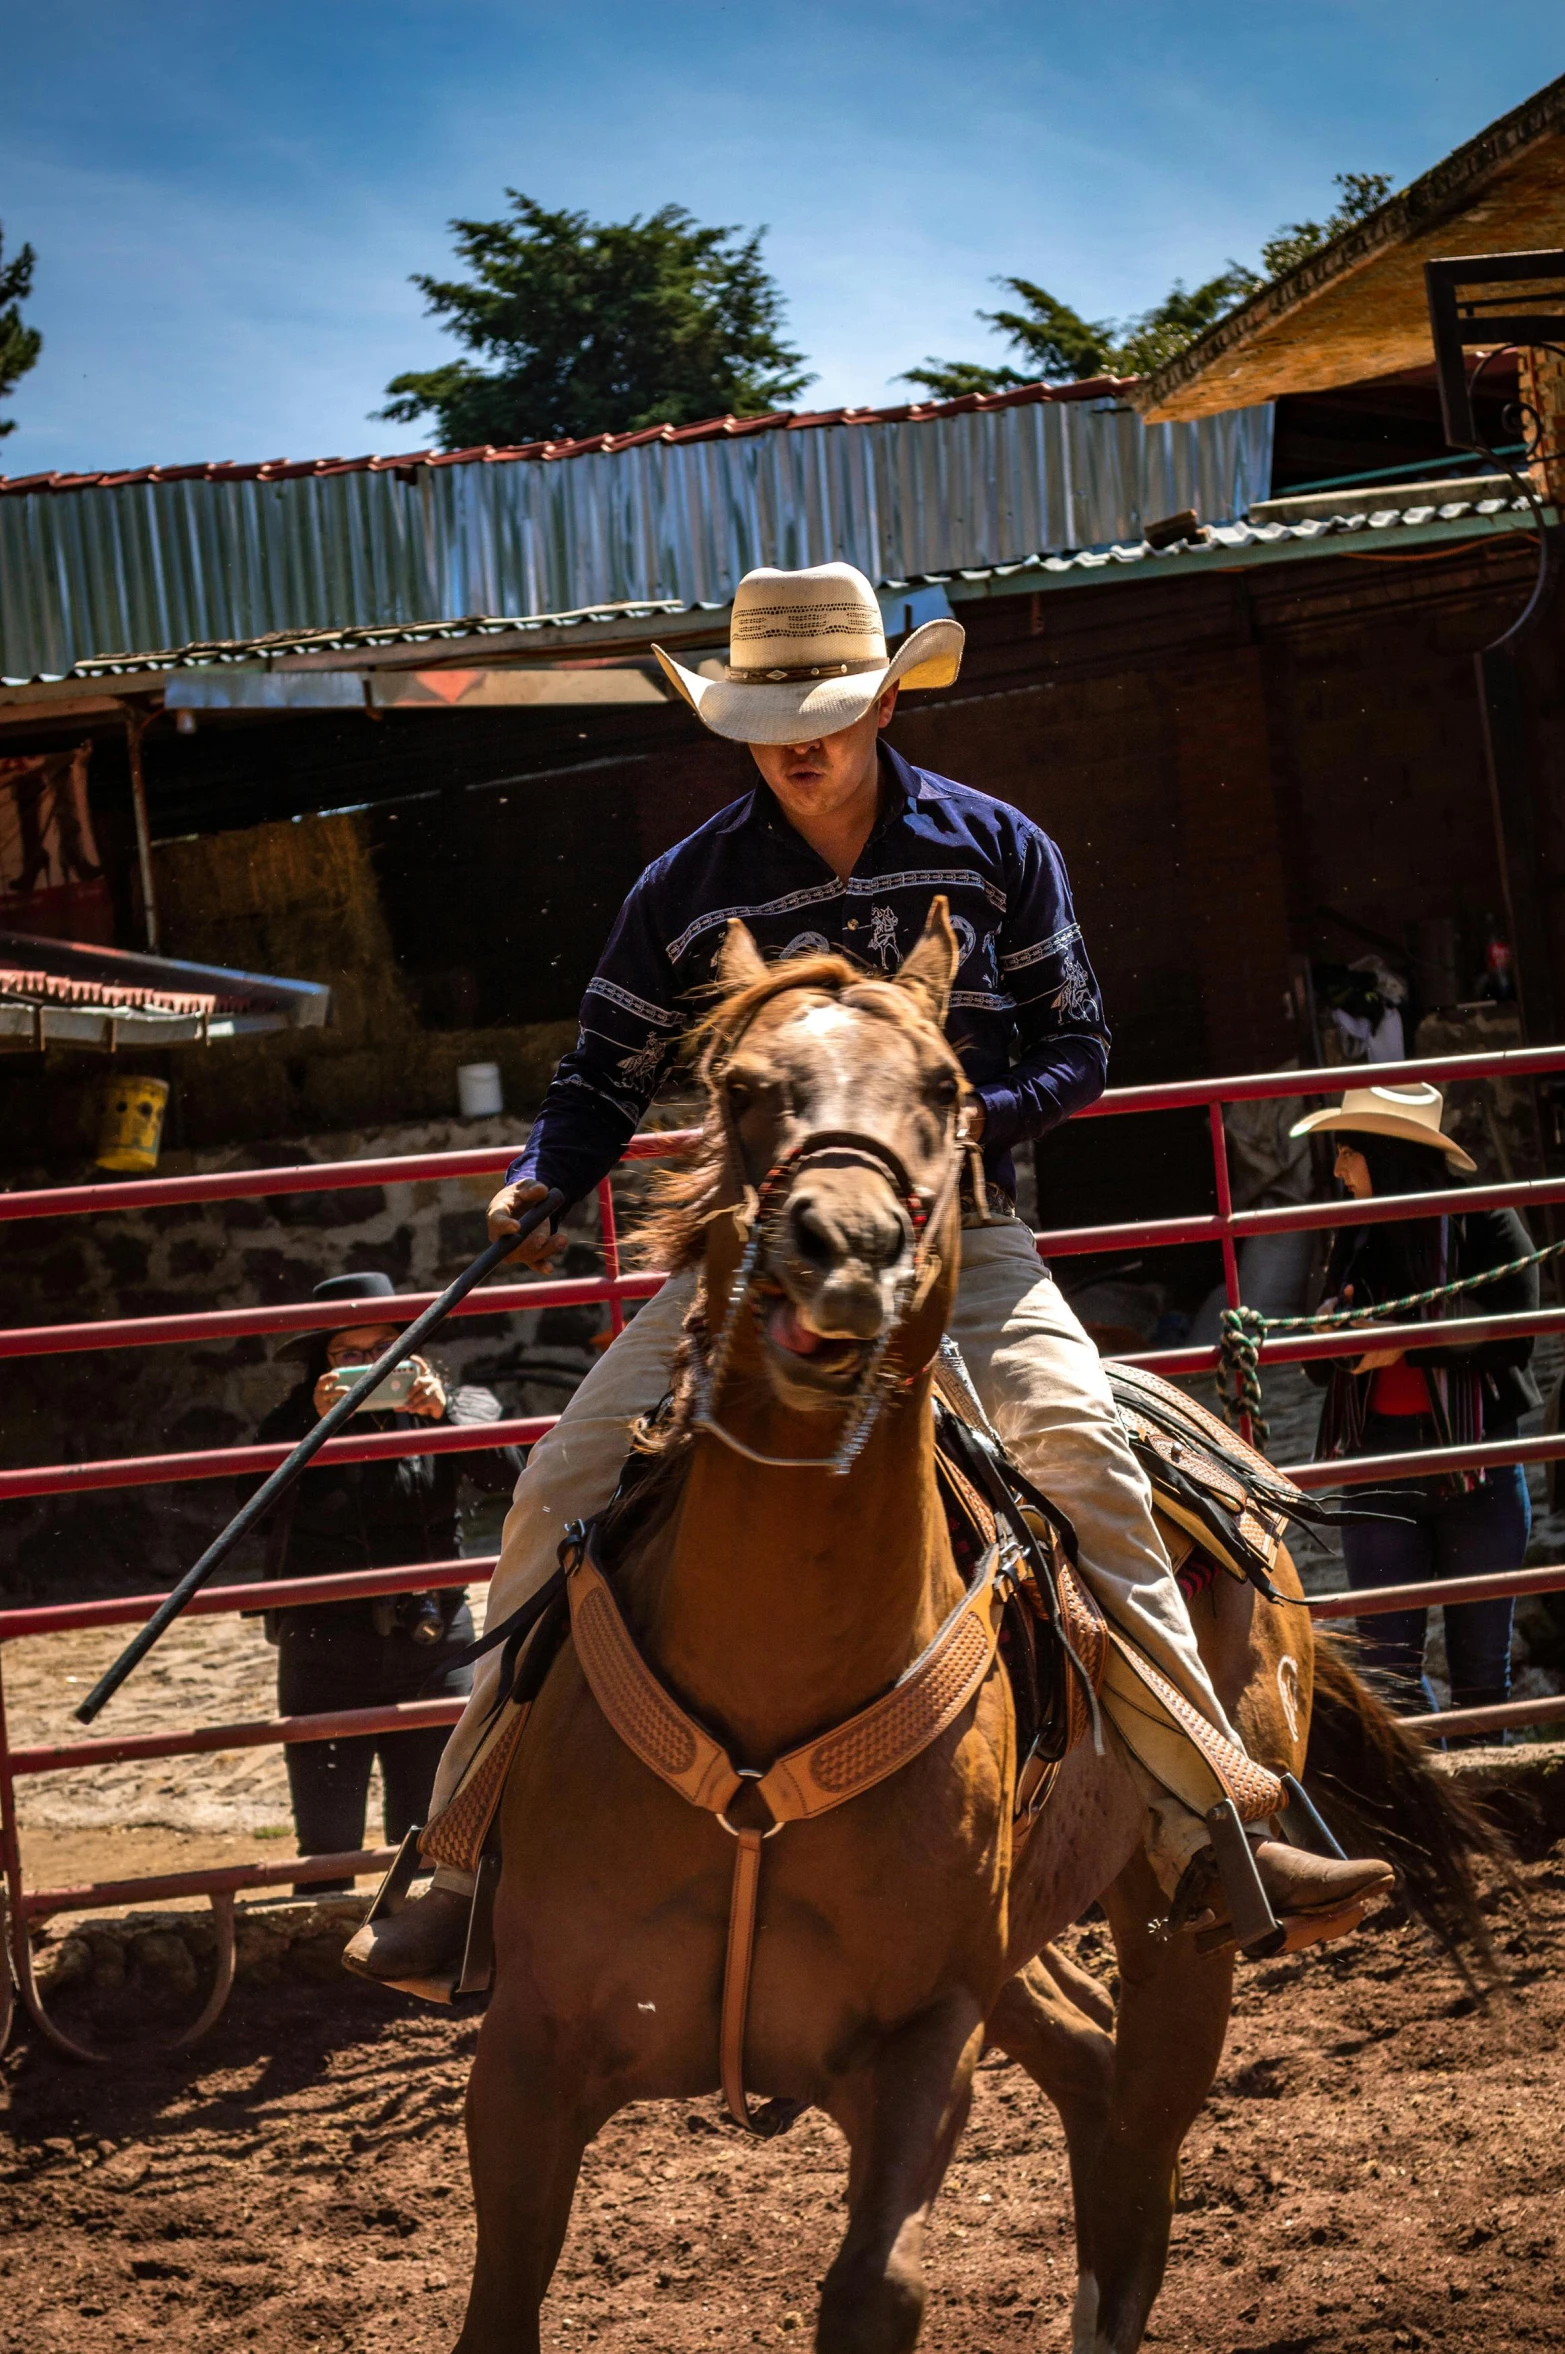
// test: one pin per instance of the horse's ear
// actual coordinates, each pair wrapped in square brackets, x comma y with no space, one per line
[931,968]
[739,961]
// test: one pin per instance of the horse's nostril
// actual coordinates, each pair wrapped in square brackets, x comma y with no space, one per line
[812,1238]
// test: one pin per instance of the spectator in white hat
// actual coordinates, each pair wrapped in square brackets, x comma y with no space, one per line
[1390,1401]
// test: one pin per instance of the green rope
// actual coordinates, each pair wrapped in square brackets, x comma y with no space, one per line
[1243,1330]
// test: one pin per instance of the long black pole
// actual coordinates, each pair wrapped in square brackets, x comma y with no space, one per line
[284,1476]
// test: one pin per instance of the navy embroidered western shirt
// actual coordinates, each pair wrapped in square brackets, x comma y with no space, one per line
[1026,1017]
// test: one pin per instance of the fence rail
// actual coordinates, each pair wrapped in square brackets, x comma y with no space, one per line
[1224,1226]
[226,1185]
[375,1446]
[146,1332]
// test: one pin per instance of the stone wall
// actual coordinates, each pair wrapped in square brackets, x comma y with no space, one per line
[89,1405]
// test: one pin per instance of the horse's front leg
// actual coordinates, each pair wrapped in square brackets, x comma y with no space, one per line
[1059,2025]
[1168,2040]
[529,2118]
[901,2109]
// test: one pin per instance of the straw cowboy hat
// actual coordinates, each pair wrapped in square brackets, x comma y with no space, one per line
[807,657]
[1411,1112]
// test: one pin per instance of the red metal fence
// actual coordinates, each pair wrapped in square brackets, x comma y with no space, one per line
[1223,1226]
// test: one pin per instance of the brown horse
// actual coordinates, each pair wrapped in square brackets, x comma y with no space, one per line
[900,1932]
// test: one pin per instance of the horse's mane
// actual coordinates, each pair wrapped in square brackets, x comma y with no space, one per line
[683,1199]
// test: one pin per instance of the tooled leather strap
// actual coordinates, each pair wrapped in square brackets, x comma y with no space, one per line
[811,1780]
[821,1773]
[1140,1689]
[879,1740]
[644,1713]
[1087,1628]
[738,1962]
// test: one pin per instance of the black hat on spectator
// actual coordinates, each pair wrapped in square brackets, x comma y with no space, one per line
[371,1284]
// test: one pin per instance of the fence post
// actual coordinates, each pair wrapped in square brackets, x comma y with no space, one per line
[14,1922]
[1225,1211]
[609,1232]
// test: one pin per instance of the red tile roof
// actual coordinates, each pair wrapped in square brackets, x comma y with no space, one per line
[609,444]
[67,989]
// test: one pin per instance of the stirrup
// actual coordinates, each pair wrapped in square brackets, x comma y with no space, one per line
[1252,1924]
[1304,1826]
[467,1986]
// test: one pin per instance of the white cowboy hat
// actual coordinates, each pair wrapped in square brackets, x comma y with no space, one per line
[1411,1112]
[807,657]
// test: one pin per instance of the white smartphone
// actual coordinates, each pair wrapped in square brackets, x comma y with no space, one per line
[393,1393]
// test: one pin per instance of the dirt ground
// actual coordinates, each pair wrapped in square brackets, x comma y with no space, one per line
[1381,2167]
[166,1814]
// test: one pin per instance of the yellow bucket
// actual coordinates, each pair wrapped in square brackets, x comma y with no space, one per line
[130,1125]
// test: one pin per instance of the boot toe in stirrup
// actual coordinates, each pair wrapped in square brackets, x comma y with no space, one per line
[417,1948]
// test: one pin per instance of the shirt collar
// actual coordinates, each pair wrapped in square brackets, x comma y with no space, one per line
[903,787]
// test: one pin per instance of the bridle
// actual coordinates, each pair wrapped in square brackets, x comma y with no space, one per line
[766,1208]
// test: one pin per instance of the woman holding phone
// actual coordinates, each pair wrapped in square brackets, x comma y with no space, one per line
[1388,1401]
[347,1516]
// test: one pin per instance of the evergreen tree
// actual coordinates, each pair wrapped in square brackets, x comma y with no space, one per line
[19,345]
[1362,194]
[1063,347]
[600,327]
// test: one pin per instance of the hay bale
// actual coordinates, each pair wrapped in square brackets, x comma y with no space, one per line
[299,900]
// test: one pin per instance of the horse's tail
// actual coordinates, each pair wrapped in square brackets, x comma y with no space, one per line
[1381,1791]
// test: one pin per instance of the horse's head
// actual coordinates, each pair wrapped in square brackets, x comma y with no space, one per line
[838,1102]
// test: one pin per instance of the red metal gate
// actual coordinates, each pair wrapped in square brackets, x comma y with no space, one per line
[1223,1225]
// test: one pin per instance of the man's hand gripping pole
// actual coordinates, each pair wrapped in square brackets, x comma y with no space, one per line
[405,1345]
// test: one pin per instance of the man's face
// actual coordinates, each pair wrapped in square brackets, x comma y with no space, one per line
[815,779]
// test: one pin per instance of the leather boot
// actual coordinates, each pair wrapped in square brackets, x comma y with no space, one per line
[424,1939]
[1300,1884]
[1314,1897]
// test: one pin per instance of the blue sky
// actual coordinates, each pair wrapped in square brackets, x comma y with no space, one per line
[227,201]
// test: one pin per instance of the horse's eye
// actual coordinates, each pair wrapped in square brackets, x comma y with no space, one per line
[737,1092]
[942,1090]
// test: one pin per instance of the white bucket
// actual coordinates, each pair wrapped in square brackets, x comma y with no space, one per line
[478,1090]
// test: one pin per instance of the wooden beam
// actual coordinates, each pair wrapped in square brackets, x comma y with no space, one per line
[1357,309]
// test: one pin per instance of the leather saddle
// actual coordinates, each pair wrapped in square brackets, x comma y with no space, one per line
[1218,1503]
[1222,1508]
[1053,1639]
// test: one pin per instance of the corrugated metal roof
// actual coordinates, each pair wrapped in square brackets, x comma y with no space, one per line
[1225,539]
[675,516]
[1451,521]
[288,644]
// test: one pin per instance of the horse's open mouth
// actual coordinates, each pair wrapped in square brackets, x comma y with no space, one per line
[812,1355]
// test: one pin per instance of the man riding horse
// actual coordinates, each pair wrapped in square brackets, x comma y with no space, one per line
[844,846]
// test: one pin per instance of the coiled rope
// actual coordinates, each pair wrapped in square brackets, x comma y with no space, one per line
[1242,1330]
